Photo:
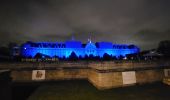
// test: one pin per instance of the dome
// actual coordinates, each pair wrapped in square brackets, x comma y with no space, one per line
[90,46]
[90,49]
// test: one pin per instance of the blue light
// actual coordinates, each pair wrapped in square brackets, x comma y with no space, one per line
[53,49]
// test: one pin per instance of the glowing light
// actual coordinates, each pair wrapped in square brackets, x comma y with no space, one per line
[61,50]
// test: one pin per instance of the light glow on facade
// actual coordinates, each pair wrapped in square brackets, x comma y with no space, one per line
[61,50]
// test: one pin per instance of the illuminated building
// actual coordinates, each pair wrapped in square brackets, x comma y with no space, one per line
[64,49]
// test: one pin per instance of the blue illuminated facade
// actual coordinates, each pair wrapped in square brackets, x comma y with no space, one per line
[64,49]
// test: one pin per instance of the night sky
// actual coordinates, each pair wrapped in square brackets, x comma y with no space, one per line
[141,22]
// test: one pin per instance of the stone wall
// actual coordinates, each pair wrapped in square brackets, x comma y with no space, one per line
[101,80]
[105,80]
[148,76]
[63,74]
[103,75]
[24,75]
[84,64]
[58,74]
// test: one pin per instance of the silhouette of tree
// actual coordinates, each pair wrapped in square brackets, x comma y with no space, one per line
[73,56]
[106,57]
[114,58]
[4,51]
[80,57]
[120,57]
[38,55]
[97,58]
[91,57]
[86,57]
[55,56]
[164,48]
[30,57]
[11,46]
[64,58]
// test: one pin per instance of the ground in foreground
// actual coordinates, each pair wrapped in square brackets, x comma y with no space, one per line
[83,90]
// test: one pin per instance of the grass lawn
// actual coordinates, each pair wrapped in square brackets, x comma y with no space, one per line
[83,90]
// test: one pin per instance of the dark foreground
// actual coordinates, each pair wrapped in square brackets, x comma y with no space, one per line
[83,90]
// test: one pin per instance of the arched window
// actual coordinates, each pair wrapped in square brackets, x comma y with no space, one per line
[59,45]
[63,45]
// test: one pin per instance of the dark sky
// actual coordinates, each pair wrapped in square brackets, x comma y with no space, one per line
[141,22]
